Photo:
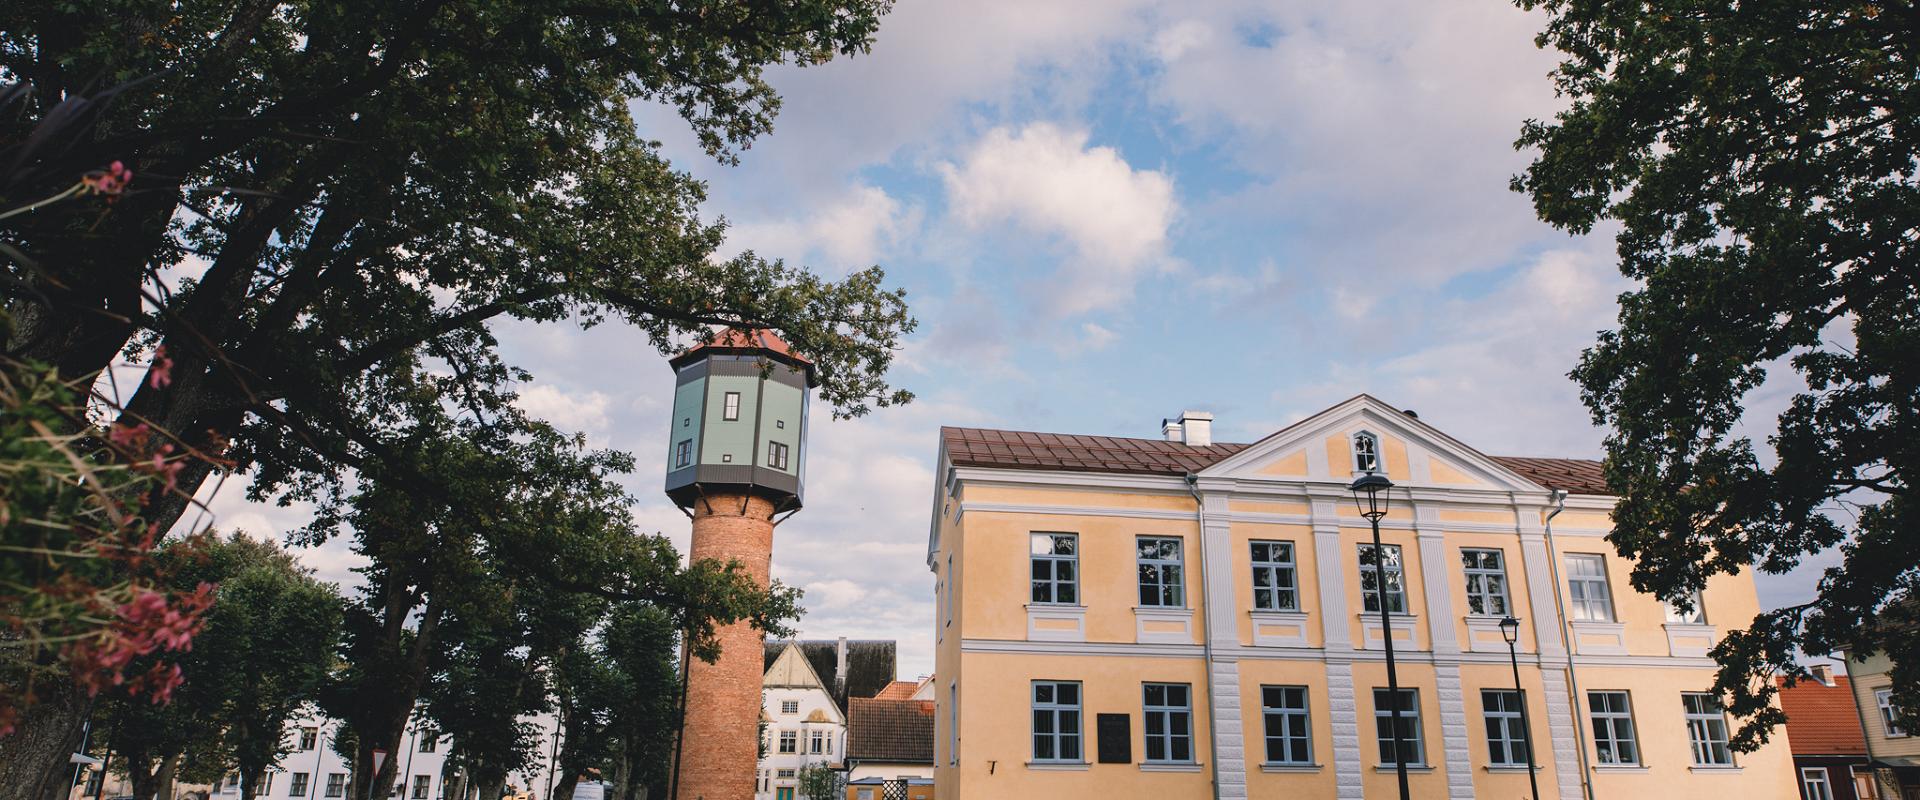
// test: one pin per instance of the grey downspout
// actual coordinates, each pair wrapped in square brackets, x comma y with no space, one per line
[1559,499]
[1206,629]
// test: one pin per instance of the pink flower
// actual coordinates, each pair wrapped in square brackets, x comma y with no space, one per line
[161,373]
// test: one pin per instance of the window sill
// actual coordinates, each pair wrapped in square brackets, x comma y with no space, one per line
[1169,766]
[1727,769]
[1058,766]
[1506,769]
[1620,768]
[1290,767]
[1419,768]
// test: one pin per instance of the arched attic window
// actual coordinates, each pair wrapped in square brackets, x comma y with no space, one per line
[1366,452]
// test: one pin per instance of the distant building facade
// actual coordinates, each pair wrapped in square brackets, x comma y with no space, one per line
[1828,742]
[890,739]
[1179,618]
[1893,748]
[805,690]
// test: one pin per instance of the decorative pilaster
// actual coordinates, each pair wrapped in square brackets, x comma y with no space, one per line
[1560,722]
[1541,591]
[1335,624]
[1229,731]
[1454,732]
[1344,715]
[1223,632]
[1435,571]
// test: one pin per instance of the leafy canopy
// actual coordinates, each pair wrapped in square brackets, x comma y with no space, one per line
[1759,159]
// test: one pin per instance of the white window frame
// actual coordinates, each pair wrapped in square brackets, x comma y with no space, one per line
[1295,741]
[817,743]
[422,784]
[1698,616]
[730,407]
[1281,591]
[1396,568]
[1044,553]
[1812,777]
[1706,729]
[1366,453]
[1383,724]
[1507,743]
[777,455]
[1617,721]
[789,743]
[336,784]
[1169,585]
[309,739]
[1889,718]
[1164,715]
[1059,714]
[789,706]
[297,785]
[1473,562]
[1590,595]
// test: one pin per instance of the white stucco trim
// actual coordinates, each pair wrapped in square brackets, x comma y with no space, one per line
[1056,622]
[1690,641]
[1145,616]
[1454,731]
[1279,628]
[1344,717]
[1560,722]
[1229,731]
[1599,638]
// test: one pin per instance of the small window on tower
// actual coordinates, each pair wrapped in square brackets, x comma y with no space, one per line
[1366,452]
[780,423]
[776,455]
[732,410]
[683,453]
[726,457]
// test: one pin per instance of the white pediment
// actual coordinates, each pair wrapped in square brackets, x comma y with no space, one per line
[1412,453]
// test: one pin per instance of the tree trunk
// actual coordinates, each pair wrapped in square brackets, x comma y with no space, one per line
[142,778]
[492,788]
[35,760]
[168,768]
[563,790]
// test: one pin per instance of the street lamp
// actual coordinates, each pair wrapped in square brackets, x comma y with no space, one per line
[1510,630]
[1370,498]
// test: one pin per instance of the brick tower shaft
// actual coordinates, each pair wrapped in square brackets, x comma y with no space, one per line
[720,740]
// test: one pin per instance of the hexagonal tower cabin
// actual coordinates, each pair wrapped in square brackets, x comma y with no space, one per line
[735,460]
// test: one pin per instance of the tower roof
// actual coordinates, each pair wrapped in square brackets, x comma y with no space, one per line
[748,341]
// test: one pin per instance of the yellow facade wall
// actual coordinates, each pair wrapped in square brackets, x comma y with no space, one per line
[1242,536]
[1255,674]
[996,730]
[997,578]
[1519,600]
[1660,725]
[1350,541]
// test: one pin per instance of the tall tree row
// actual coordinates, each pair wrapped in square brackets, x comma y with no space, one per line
[319,209]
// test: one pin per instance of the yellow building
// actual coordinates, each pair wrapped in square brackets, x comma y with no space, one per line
[1178,618]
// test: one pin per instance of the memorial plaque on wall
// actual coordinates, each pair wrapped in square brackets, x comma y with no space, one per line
[1115,738]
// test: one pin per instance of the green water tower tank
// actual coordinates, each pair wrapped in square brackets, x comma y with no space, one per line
[739,420]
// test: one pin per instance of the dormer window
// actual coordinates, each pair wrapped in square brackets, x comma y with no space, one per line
[1366,452]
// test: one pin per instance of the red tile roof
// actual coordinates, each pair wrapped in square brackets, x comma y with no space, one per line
[892,731]
[986,447]
[1821,720]
[737,339]
[897,690]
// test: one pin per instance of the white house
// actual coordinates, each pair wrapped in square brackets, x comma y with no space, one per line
[311,769]
[805,690]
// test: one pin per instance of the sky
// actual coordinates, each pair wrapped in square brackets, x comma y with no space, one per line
[1105,212]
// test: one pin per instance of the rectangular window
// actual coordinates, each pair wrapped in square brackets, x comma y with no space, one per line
[948,586]
[1486,582]
[817,742]
[863,793]
[683,453]
[1160,567]
[1169,718]
[731,411]
[789,742]
[1273,579]
[266,785]
[1587,584]
[1054,566]
[1707,729]
[309,739]
[1388,562]
[1410,747]
[1613,728]
[953,724]
[1696,614]
[1289,739]
[776,455]
[336,784]
[1056,721]
[1813,784]
[784,773]
[1889,716]
[789,706]
[1506,737]
[420,785]
[429,742]
[297,787]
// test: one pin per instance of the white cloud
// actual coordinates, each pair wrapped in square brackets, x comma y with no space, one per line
[1046,179]
[1090,339]
[569,412]
[851,232]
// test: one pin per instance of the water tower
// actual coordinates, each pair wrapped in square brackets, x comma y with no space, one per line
[735,461]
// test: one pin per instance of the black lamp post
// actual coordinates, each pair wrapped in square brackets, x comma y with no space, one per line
[1510,630]
[1370,497]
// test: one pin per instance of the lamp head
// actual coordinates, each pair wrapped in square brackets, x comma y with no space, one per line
[1510,629]
[1370,494]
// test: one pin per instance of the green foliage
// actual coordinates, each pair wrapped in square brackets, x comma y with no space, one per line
[266,647]
[820,782]
[1759,160]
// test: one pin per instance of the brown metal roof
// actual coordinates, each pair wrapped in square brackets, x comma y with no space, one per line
[893,731]
[986,447]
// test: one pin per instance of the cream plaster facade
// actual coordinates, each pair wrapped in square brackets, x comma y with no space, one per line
[994,642]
